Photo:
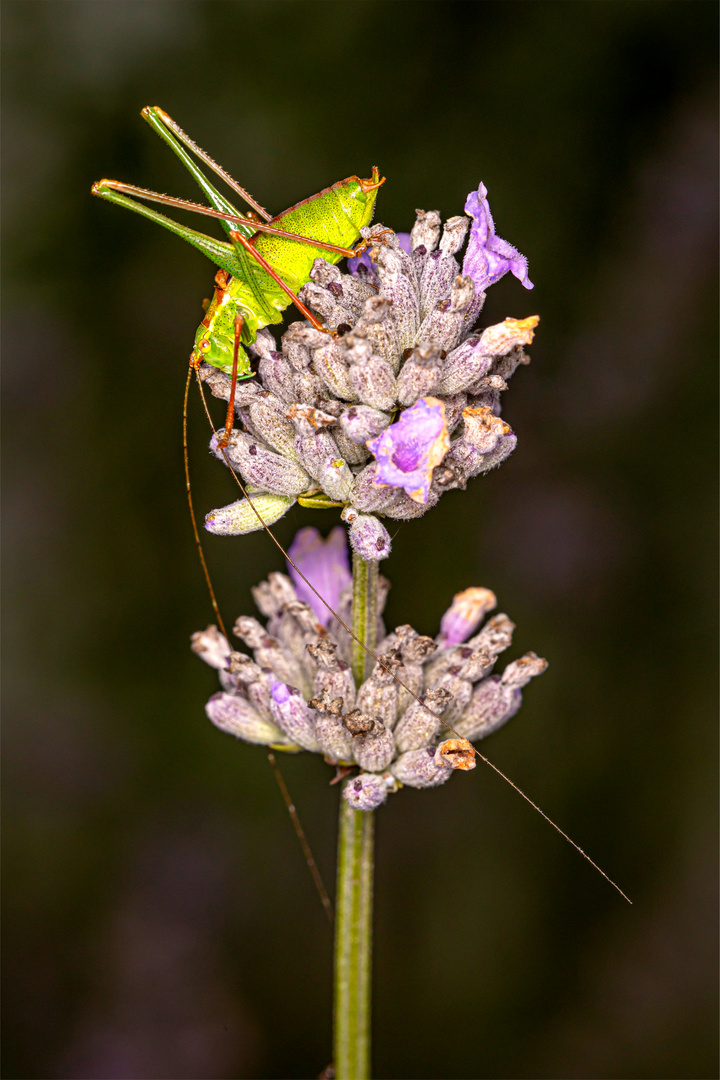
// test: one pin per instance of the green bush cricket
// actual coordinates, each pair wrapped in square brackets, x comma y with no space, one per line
[268,259]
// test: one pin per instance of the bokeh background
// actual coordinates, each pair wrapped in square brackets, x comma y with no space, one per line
[159,918]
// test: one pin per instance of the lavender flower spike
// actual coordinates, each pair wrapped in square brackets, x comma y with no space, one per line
[464,616]
[488,257]
[408,451]
[326,565]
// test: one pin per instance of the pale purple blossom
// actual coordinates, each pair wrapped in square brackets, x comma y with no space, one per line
[464,615]
[326,565]
[408,451]
[488,257]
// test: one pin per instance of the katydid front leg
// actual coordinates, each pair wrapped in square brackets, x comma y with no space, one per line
[230,416]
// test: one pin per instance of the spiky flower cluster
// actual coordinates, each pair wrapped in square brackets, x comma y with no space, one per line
[399,401]
[297,691]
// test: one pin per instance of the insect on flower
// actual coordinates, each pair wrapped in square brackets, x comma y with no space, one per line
[268,259]
[387,399]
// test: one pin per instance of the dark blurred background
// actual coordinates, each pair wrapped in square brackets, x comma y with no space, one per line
[159,918]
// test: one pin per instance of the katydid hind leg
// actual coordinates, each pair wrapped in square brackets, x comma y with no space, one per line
[220,253]
[239,221]
[164,125]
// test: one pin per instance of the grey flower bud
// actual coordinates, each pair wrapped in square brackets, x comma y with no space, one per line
[373,381]
[268,652]
[339,684]
[324,273]
[419,769]
[266,413]
[325,304]
[444,324]
[521,671]
[495,636]
[405,508]
[483,429]
[460,689]
[264,344]
[330,365]
[309,388]
[420,374]
[455,405]
[353,453]
[320,455]
[244,669]
[370,497]
[239,517]
[360,423]
[291,713]
[472,461]
[369,538]
[379,327]
[476,664]
[438,274]
[211,646]
[375,750]
[464,366]
[418,726]
[334,738]
[277,375]
[236,716]
[396,276]
[376,309]
[378,696]
[426,230]
[271,596]
[491,706]
[366,791]
[454,234]
[298,341]
[354,294]
[257,465]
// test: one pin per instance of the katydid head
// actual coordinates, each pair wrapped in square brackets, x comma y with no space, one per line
[358,197]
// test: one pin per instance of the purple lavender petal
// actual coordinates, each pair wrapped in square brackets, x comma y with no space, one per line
[366,261]
[408,451]
[361,260]
[488,257]
[326,565]
[405,242]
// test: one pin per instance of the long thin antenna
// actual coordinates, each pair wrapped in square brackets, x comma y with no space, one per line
[309,858]
[389,671]
[319,884]
[201,553]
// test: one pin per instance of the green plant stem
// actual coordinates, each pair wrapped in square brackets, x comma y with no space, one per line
[353,905]
[364,620]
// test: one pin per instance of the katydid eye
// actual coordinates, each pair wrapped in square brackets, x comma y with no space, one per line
[205,344]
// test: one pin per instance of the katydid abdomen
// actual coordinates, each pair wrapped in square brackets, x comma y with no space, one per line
[334,216]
